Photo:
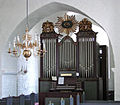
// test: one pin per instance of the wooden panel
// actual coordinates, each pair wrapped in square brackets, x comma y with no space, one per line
[104,69]
[91,92]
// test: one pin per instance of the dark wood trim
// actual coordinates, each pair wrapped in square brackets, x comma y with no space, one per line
[41,61]
[110,95]
[104,69]
[66,70]
[88,79]
[45,79]
[50,35]
[94,56]
[67,37]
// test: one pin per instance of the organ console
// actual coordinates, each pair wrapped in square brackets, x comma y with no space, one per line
[74,65]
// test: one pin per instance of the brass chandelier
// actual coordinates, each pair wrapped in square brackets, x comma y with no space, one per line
[28,46]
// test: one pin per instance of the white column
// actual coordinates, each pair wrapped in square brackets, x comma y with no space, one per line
[116,83]
[0,84]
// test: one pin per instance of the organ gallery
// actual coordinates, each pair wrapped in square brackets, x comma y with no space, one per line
[71,67]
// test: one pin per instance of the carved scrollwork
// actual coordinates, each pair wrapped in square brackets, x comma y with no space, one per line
[47,27]
[66,24]
[85,25]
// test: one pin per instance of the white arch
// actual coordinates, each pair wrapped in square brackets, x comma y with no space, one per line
[43,12]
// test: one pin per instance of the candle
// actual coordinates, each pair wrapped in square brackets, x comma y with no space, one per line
[14,44]
[39,43]
[14,39]
[78,99]
[26,44]
[71,100]
[35,37]
[62,101]
[18,39]
[50,103]
[9,44]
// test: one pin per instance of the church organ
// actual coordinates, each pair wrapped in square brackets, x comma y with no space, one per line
[77,61]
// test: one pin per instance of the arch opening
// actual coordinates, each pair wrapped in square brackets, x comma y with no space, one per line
[53,10]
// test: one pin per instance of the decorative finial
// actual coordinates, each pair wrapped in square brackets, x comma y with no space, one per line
[48,27]
[85,25]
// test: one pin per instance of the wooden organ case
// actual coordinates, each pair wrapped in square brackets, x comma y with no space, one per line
[78,62]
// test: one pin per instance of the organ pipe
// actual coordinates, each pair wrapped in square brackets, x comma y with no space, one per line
[86,57]
[49,59]
[67,55]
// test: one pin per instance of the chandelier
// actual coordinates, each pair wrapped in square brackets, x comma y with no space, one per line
[29,45]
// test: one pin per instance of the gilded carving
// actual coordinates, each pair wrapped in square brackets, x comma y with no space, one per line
[85,25]
[66,24]
[48,27]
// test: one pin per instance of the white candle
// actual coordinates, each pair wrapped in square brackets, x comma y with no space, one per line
[62,101]
[9,44]
[71,100]
[39,44]
[18,39]
[14,44]
[14,39]
[26,43]
[26,37]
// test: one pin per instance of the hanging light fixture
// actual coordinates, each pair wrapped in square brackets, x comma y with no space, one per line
[28,44]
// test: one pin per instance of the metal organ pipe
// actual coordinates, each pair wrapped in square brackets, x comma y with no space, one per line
[52,59]
[50,67]
[67,54]
[64,56]
[70,55]
[75,56]
[61,57]
[88,59]
[92,58]
[49,62]
[44,61]
[55,58]
[52,56]
[81,56]
[86,47]
[80,53]
[85,58]
[48,58]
